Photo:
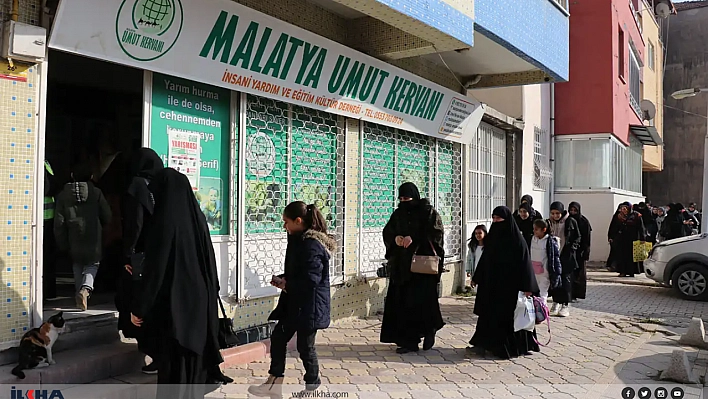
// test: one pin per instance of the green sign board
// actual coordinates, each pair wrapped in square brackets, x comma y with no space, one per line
[189,129]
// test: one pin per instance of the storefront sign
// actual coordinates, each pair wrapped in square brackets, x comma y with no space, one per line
[225,44]
[190,129]
[16,72]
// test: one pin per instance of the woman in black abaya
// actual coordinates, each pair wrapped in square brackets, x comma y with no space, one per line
[178,302]
[412,310]
[503,271]
[137,208]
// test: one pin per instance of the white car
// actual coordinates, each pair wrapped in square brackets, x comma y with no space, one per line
[682,264]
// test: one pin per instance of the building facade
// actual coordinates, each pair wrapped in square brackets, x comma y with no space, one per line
[685,120]
[261,103]
[600,131]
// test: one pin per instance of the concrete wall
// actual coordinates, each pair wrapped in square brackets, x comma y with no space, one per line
[685,123]
[596,100]
[599,209]
[507,100]
[652,86]
[537,113]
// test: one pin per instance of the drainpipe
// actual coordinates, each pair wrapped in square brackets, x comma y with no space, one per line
[553,143]
[15,10]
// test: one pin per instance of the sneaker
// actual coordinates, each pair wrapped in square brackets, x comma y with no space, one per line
[564,311]
[554,310]
[82,299]
[273,388]
[150,368]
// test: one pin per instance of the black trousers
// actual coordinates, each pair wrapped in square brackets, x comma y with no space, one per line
[282,333]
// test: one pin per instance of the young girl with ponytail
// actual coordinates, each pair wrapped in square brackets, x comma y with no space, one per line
[304,304]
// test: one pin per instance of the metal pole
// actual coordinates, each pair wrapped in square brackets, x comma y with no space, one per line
[704,200]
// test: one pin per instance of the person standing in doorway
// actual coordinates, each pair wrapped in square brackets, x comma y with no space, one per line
[304,304]
[49,250]
[81,214]
[566,229]
[583,253]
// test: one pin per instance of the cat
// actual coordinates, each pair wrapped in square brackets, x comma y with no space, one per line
[36,345]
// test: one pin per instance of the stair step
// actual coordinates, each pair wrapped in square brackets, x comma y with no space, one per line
[82,366]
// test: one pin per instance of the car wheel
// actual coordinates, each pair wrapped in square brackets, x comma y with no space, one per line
[691,281]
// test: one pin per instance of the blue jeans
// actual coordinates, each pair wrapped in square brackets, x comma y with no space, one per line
[84,276]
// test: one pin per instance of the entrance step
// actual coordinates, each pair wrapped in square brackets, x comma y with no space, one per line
[82,365]
[86,331]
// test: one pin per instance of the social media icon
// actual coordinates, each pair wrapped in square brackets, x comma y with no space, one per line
[644,393]
[677,393]
[628,393]
[661,393]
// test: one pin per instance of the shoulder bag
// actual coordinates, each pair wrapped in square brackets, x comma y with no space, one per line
[227,335]
[424,264]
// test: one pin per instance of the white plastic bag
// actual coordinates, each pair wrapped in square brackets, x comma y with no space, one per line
[524,314]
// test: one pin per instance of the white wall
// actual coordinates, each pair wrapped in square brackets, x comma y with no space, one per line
[598,207]
[537,113]
[507,100]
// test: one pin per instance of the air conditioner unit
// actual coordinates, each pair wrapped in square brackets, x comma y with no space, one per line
[24,42]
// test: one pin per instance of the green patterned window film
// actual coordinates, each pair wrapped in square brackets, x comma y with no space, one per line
[379,179]
[266,164]
[413,161]
[314,160]
[447,175]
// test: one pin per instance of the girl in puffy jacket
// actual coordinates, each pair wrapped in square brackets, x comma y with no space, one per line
[545,259]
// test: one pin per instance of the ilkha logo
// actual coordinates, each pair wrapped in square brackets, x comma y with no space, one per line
[147,29]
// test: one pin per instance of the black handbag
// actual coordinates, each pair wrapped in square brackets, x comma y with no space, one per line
[227,335]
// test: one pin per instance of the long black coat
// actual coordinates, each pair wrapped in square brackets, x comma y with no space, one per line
[623,233]
[305,301]
[412,309]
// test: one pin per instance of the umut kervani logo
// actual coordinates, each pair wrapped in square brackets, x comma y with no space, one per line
[147,29]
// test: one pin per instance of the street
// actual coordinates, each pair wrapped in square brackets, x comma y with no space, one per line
[612,340]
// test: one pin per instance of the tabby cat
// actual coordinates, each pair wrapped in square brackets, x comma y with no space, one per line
[36,345]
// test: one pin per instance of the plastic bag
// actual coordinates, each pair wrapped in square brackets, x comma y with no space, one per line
[524,314]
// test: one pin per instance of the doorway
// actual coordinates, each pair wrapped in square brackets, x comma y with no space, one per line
[93,119]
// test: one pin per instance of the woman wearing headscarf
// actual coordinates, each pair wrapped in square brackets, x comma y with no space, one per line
[566,229]
[626,228]
[137,209]
[674,225]
[534,214]
[660,217]
[582,255]
[412,310]
[524,219]
[178,302]
[649,222]
[503,271]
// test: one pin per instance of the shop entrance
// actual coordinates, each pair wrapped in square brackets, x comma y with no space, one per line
[94,119]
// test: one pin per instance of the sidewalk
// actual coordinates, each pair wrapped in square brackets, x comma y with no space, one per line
[606,276]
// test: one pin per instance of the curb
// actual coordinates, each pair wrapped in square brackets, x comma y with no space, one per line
[613,280]
[249,353]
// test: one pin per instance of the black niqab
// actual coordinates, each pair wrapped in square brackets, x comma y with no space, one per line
[180,280]
[144,165]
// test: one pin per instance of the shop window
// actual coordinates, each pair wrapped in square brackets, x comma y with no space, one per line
[392,157]
[486,173]
[292,153]
[190,130]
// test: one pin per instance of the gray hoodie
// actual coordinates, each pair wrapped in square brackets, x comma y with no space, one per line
[81,213]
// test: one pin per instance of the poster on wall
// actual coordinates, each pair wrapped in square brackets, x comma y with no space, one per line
[184,154]
[190,130]
[226,44]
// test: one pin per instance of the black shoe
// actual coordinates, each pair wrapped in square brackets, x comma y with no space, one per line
[429,342]
[150,368]
[404,350]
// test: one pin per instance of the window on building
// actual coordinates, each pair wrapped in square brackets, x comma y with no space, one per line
[598,164]
[650,56]
[541,159]
[635,95]
[486,173]
[621,53]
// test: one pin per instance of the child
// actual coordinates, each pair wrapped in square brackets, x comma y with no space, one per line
[81,213]
[545,258]
[304,304]
[474,251]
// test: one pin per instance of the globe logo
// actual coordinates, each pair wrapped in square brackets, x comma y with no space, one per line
[260,155]
[147,29]
[154,16]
